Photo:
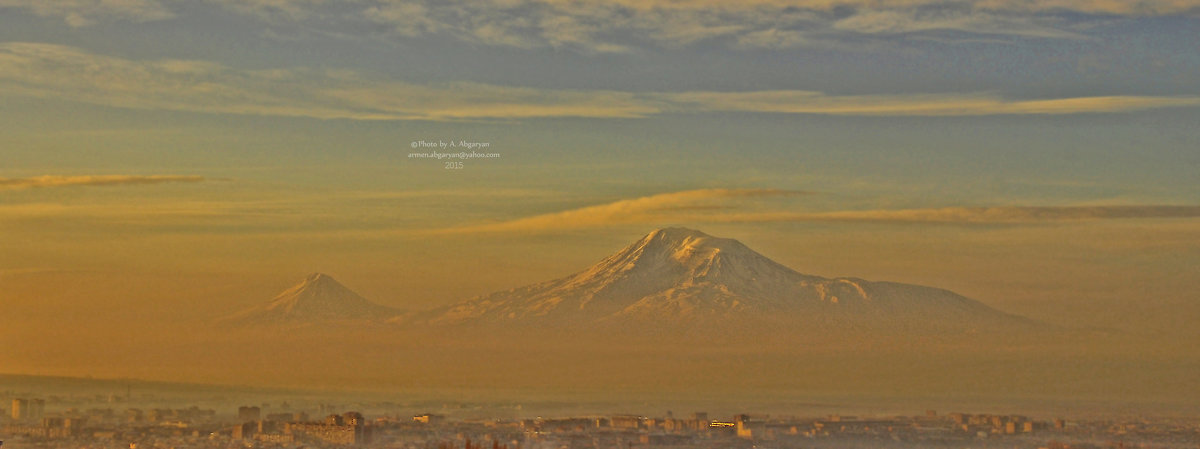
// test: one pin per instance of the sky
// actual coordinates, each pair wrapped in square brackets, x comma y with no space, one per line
[174,161]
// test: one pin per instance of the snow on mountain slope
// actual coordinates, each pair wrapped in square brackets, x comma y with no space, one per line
[682,276]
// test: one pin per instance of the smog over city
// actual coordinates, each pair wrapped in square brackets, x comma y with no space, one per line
[587,224]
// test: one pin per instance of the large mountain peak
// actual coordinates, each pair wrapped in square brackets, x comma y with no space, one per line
[676,235]
[683,255]
[686,246]
[680,275]
[682,242]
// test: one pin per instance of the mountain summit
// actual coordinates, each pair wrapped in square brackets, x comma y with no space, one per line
[318,298]
[682,276]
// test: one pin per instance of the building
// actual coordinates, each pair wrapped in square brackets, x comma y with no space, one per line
[626,421]
[340,430]
[20,409]
[28,409]
[246,414]
[37,409]
[748,428]
[244,431]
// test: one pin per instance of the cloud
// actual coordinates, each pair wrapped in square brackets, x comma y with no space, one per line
[354,214]
[1012,215]
[80,13]
[608,26]
[976,22]
[92,180]
[1113,7]
[66,73]
[1139,7]
[605,26]
[70,74]
[731,206]
[660,208]
[996,215]
[808,102]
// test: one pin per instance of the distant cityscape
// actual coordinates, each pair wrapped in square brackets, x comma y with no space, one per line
[114,422]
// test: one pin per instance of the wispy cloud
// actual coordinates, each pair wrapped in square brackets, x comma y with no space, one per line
[659,208]
[1139,7]
[605,26]
[623,25]
[54,71]
[70,74]
[979,215]
[79,13]
[808,102]
[92,180]
[730,206]
[962,20]
[1115,7]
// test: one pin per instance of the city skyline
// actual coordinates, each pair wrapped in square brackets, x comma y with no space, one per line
[197,418]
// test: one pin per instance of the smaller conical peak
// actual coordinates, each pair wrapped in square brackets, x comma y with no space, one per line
[319,279]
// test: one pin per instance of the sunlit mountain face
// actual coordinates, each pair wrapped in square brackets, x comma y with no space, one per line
[672,280]
[677,277]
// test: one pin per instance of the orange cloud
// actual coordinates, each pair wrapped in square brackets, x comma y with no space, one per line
[728,206]
[92,180]
[664,207]
[999,215]
[808,102]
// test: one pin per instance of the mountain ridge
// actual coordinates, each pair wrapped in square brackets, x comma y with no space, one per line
[684,277]
[672,280]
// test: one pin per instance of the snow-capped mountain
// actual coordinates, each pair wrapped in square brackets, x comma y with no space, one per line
[318,298]
[683,276]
